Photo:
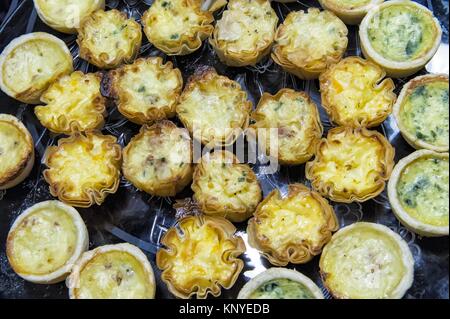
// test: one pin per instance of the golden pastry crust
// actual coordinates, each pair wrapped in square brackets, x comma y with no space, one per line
[16,151]
[65,16]
[30,63]
[401,36]
[147,90]
[83,168]
[354,93]
[351,164]
[308,42]
[159,159]
[215,107]
[224,187]
[177,27]
[245,33]
[297,119]
[367,261]
[292,229]
[109,38]
[422,113]
[201,257]
[350,11]
[120,271]
[45,241]
[73,104]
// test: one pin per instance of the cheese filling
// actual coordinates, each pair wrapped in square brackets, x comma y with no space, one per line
[350,4]
[66,12]
[14,148]
[282,289]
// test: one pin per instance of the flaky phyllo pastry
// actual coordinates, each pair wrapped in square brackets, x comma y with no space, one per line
[73,103]
[308,42]
[297,119]
[177,27]
[292,228]
[200,256]
[83,168]
[109,38]
[351,164]
[245,33]
[214,108]
[147,90]
[224,187]
[355,93]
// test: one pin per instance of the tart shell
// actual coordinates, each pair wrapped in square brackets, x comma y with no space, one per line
[349,16]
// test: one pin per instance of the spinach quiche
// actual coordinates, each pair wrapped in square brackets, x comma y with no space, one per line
[200,257]
[401,36]
[418,192]
[350,11]
[45,241]
[367,261]
[422,112]
[280,283]
[120,271]
[292,228]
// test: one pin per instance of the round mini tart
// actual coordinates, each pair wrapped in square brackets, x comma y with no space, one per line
[109,38]
[147,90]
[159,159]
[308,42]
[30,63]
[354,93]
[245,33]
[224,187]
[297,119]
[350,11]
[401,36]
[418,192]
[177,27]
[351,164]
[367,261]
[214,107]
[120,271]
[65,16]
[84,168]
[422,114]
[294,228]
[45,241]
[200,257]
[73,104]
[280,283]
[16,152]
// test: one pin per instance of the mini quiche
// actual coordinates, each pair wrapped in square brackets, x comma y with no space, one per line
[350,11]
[159,159]
[422,113]
[280,283]
[367,261]
[65,15]
[45,241]
[308,42]
[224,187]
[292,229]
[30,63]
[73,103]
[83,168]
[16,152]
[418,192]
[351,164]
[120,271]
[297,119]
[147,90]
[214,107]
[177,27]
[200,256]
[401,36]
[109,38]
[245,33]
[355,94]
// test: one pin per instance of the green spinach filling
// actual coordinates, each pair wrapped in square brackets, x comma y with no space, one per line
[282,289]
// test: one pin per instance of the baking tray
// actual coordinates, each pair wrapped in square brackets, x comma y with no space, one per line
[135,217]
